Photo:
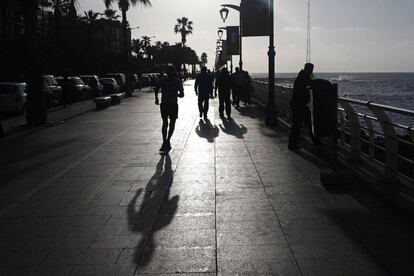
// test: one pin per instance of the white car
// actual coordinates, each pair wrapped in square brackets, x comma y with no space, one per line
[12,97]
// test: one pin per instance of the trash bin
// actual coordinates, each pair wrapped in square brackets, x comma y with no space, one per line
[324,107]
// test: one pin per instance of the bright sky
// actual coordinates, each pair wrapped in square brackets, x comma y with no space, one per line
[347,36]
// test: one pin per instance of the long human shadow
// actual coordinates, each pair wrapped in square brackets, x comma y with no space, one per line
[230,127]
[148,219]
[206,130]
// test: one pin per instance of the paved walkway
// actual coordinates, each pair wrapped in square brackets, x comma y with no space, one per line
[92,196]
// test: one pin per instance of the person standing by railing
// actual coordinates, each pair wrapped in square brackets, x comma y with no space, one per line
[299,106]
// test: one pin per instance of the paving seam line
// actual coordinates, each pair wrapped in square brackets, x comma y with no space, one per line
[273,208]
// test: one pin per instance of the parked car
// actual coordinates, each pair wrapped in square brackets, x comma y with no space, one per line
[78,89]
[52,90]
[94,83]
[120,79]
[12,97]
[110,86]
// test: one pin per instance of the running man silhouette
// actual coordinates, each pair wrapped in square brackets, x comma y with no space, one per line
[171,88]
[204,89]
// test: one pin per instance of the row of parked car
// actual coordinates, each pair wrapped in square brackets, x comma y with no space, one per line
[82,87]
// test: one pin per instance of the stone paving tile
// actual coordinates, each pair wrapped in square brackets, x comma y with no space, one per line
[188,221]
[36,271]
[177,260]
[21,258]
[82,257]
[104,270]
[184,238]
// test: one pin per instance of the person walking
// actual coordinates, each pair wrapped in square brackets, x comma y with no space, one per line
[237,79]
[246,87]
[204,89]
[223,85]
[171,88]
[299,106]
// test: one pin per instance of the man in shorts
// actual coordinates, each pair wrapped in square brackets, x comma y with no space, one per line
[171,88]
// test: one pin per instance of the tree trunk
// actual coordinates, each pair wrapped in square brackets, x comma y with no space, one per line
[36,108]
[128,91]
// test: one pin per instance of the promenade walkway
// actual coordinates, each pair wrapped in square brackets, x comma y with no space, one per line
[92,196]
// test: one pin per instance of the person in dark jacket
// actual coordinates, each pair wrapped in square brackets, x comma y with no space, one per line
[223,85]
[237,78]
[204,89]
[299,106]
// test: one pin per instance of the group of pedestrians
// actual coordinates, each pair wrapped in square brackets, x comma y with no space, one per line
[237,84]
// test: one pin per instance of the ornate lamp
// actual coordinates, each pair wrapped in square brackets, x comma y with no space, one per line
[224,12]
[220,33]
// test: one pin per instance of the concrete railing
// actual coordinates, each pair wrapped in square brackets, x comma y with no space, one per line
[368,133]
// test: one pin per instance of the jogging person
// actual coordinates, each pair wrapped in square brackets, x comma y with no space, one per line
[171,88]
[204,89]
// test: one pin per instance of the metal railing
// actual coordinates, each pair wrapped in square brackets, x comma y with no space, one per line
[380,137]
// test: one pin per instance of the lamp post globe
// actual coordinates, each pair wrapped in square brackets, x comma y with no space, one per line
[220,33]
[224,12]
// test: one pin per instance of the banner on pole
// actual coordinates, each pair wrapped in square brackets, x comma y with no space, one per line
[224,54]
[233,40]
[255,17]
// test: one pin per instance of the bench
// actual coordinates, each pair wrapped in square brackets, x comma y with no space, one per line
[116,98]
[103,102]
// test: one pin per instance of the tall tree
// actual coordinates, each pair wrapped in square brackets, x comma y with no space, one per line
[184,27]
[36,108]
[124,6]
[90,16]
[204,59]
[111,15]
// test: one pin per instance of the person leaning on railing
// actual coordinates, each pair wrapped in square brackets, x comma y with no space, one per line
[299,106]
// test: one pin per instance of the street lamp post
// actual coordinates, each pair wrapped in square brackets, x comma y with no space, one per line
[224,13]
[271,113]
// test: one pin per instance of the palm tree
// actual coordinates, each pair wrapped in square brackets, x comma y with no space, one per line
[184,27]
[204,59]
[36,110]
[91,16]
[110,14]
[136,47]
[124,6]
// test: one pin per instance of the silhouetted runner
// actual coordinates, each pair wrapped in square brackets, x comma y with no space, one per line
[223,85]
[171,88]
[204,89]
[299,105]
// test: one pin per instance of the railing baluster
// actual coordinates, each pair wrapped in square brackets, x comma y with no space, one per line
[391,144]
[355,131]
[371,145]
